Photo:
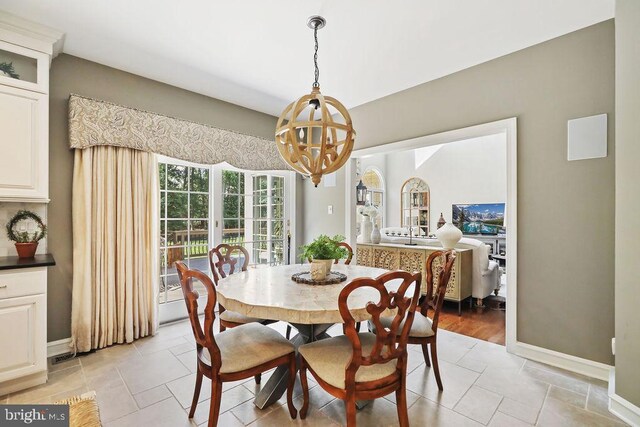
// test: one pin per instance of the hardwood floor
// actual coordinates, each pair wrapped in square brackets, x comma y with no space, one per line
[481,323]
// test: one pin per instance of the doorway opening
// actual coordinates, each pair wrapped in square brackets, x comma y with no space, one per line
[466,177]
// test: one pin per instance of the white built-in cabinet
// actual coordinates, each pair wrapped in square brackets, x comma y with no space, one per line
[23,326]
[26,52]
[24,121]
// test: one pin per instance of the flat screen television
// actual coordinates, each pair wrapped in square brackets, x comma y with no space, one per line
[486,218]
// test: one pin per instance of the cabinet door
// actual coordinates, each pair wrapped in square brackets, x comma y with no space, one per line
[384,257]
[22,329]
[24,145]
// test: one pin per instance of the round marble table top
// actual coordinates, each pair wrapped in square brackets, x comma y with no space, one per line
[270,293]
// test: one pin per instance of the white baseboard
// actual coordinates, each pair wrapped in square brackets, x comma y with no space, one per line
[620,407]
[565,361]
[23,383]
[625,410]
[55,348]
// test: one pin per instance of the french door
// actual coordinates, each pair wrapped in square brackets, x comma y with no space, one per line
[202,206]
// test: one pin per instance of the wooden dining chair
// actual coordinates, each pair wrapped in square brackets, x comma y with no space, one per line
[347,261]
[239,353]
[424,331]
[364,365]
[222,263]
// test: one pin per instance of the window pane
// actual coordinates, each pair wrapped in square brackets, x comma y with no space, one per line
[277,251]
[259,182]
[163,200]
[163,261]
[177,204]
[277,208]
[232,183]
[277,229]
[173,288]
[377,199]
[232,232]
[259,230]
[231,206]
[199,206]
[176,233]
[176,177]
[199,179]
[198,245]
[163,233]
[277,186]
[260,253]
[162,169]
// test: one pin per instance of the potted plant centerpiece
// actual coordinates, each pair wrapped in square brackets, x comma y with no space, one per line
[18,231]
[322,252]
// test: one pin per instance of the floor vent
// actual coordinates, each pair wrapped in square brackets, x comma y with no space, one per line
[61,358]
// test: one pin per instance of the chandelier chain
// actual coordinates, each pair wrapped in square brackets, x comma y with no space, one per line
[315,57]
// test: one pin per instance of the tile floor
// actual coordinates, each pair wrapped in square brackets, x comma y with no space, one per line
[150,383]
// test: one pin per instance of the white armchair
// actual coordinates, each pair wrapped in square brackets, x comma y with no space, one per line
[486,273]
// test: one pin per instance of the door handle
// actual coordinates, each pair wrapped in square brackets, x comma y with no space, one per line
[3,286]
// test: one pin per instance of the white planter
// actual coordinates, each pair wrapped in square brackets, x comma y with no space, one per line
[365,229]
[320,268]
[448,235]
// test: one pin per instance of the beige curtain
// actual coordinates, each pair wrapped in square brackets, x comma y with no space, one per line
[115,267]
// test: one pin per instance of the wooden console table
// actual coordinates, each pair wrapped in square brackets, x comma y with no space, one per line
[412,258]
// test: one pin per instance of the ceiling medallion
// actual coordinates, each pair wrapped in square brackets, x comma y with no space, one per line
[314,134]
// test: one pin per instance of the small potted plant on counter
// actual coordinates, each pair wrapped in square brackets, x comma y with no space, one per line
[18,231]
[322,252]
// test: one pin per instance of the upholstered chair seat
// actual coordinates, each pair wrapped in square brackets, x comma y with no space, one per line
[330,358]
[421,327]
[234,317]
[247,346]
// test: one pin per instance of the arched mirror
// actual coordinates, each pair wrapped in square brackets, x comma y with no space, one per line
[414,199]
[374,181]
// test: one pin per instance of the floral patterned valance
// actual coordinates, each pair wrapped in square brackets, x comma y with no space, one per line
[93,122]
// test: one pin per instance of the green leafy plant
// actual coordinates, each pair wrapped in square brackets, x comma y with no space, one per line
[25,236]
[7,68]
[324,247]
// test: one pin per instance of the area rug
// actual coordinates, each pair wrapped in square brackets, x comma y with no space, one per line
[83,410]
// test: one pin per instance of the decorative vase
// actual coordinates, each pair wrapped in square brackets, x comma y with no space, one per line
[365,229]
[26,250]
[448,235]
[319,269]
[441,221]
[375,234]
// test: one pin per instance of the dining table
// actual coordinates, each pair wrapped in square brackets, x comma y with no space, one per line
[269,292]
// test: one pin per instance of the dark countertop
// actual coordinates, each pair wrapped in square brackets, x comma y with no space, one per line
[11,262]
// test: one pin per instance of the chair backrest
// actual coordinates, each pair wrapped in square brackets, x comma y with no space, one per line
[438,266]
[222,262]
[203,334]
[349,249]
[391,342]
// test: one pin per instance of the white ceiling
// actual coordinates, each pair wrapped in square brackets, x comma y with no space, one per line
[258,53]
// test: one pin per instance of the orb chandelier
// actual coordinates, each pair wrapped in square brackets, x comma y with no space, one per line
[314,134]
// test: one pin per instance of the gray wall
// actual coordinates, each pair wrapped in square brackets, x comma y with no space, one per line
[74,75]
[565,210]
[627,201]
